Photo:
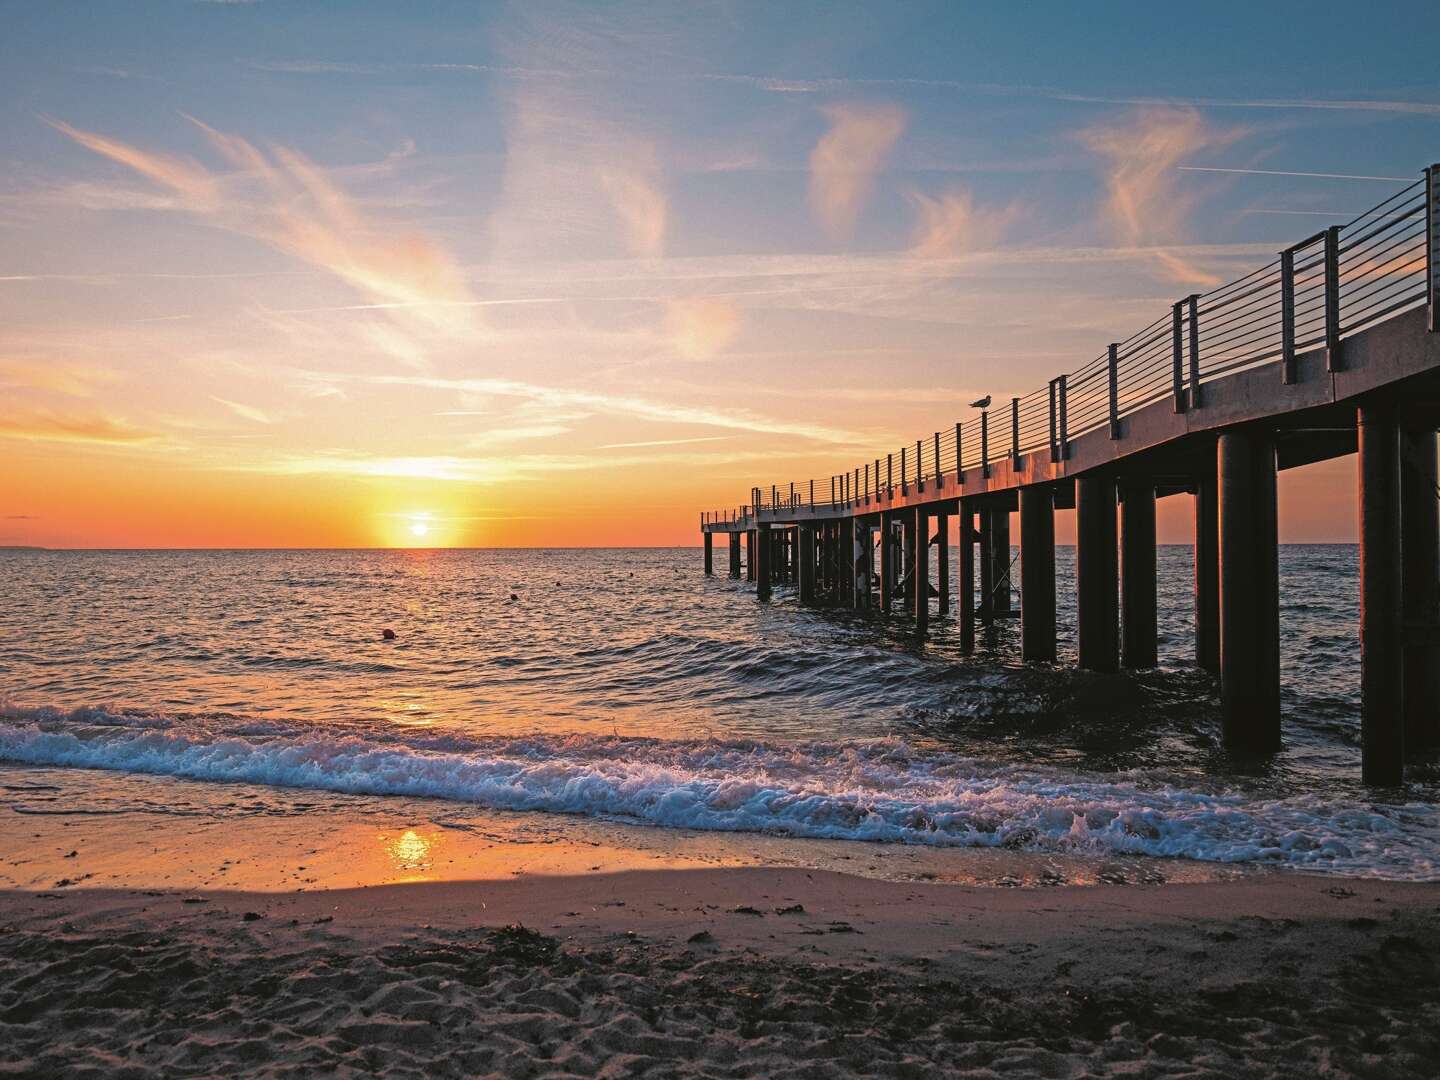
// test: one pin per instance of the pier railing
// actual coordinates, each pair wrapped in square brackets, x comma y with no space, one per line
[1314,294]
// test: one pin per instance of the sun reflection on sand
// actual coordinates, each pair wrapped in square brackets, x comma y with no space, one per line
[410,851]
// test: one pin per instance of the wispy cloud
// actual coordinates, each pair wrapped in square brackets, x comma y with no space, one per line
[844,162]
[75,380]
[44,425]
[1143,203]
[1279,172]
[664,442]
[953,225]
[246,412]
[287,202]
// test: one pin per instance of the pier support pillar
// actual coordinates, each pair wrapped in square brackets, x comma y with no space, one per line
[709,555]
[1037,573]
[965,535]
[807,564]
[859,533]
[1249,591]
[920,568]
[1382,668]
[1097,609]
[1207,573]
[765,550]
[906,558]
[1138,631]
[986,540]
[1000,561]
[749,554]
[735,555]
[1420,584]
[942,568]
[887,563]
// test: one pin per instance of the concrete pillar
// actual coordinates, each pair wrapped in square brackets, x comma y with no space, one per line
[1037,573]
[1249,592]
[807,564]
[920,568]
[942,567]
[1138,631]
[1207,572]
[965,534]
[860,562]
[766,551]
[906,559]
[887,562]
[1382,665]
[750,545]
[709,555]
[1097,609]
[1000,553]
[986,538]
[735,555]
[1420,585]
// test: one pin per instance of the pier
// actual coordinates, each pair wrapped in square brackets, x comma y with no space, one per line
[1332,348]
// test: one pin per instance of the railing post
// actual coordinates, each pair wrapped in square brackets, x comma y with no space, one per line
[1177,354]
[1332,298]
[1193,300]
[985,443]
[832,493]
[1015,432]
[1064,424]
[919,467]
[939,472]
[1114,391]
[792,494]
[959,461]
[904,474]
[1287,316]
[889,473]
[774,497]
[1432,245]
[867,483]
[812,494]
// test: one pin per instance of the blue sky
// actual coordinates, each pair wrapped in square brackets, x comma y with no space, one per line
[432,255]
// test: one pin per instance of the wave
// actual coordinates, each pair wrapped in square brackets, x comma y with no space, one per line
[878,790]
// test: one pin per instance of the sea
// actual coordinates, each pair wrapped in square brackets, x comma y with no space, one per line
[626,686]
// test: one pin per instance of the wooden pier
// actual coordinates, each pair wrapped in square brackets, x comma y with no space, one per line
[1333,348]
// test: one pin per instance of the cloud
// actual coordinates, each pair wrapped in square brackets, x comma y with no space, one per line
[43,425]
[612,404]
[284,200]
[635,192]
[664,442]
[246,412]
[74,380]
[702,327]
[845,160]
[952,224]
[1144,205]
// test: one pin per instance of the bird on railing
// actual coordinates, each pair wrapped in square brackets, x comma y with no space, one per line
[983,403]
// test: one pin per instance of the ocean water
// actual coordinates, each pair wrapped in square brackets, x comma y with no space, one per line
[624,685]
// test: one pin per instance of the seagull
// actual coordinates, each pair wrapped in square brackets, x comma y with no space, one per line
[983,403]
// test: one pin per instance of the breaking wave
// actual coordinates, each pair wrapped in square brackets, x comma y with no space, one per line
[880,790]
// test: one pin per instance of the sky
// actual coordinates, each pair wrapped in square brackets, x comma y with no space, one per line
[295,274]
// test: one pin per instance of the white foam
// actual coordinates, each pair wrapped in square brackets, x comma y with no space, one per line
[878,790]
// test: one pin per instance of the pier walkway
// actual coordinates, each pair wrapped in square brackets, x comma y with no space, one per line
[1330,349]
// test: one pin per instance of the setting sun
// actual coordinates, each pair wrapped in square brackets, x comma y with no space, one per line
[419,528]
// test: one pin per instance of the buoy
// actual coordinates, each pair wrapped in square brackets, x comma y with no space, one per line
[388,634]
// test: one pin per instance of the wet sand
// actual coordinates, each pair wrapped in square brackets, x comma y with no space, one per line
[582,958]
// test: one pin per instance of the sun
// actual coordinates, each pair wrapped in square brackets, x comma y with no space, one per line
[419,528]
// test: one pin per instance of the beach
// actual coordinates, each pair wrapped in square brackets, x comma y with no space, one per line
[483,956]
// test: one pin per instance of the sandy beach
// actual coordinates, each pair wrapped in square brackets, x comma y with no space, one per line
[326,952]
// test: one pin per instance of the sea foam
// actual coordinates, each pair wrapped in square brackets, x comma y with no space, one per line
[882,789]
